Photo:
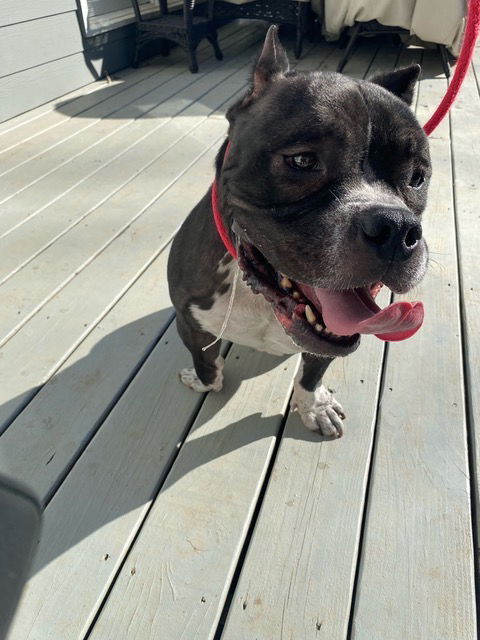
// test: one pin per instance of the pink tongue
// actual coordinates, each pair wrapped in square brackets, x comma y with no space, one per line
[346,313]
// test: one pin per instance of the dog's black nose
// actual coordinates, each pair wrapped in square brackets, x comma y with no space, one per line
[393,233]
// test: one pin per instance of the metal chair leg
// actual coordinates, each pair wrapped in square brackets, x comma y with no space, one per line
[442,49]
[301,27]
[212,38]
[137,47]
[348,51]
[164,47]
[193,60]
[135,57]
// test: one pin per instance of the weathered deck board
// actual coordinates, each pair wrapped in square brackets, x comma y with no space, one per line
[63,145]
[94,101]
[118,475]
[465,117]
[119,161]
[52,269]
[23,382]
[96,420]
[310,520]
[297,579]
[77,157]
[77,309]
[39,445]
[133,150]
[417,549]
[200,518]
[22,127]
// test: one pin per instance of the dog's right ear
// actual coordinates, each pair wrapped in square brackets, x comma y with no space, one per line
[273,61]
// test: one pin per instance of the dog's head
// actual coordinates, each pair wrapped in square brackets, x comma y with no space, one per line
[323,188]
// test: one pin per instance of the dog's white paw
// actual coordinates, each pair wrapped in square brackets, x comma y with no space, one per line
[319,410]
[192,381]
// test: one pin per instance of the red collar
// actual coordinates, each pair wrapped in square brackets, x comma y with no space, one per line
[217,216]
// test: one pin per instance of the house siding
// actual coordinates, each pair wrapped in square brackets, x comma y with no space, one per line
[44,54]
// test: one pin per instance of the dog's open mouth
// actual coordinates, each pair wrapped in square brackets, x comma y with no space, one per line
[325,321]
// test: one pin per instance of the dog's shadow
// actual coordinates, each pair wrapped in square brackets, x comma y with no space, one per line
[144,339]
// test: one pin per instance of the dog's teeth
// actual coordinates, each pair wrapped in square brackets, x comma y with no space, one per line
[296,295]
[319,328]
[328,333]
[285,283]
[311,317]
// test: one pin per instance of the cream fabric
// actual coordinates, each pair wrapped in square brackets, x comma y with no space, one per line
[440,21]
[247,1]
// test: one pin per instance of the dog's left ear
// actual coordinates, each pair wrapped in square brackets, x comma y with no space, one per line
[400,82]
[273,61]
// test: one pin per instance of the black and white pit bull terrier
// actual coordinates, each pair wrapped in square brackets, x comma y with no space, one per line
[318,195]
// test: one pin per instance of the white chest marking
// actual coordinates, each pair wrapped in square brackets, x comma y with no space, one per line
[252,321]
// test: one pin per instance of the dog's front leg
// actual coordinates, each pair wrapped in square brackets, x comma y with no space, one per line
[206,374]
[316,405]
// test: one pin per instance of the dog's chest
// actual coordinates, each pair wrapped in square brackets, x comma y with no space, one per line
[251,322]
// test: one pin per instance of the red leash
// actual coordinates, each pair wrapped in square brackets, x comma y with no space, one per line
[468,46]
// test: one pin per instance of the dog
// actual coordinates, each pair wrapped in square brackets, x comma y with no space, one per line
[319,191]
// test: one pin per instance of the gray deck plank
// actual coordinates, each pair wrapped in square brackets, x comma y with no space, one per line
[200,518]
[417,555]
[136,148]
[297,579]
[65,160]
[99,415]
[31,288]
[465,117]
[34,123]
[118,476]
[310,520]
[76,309]
[110,166]
[41,444]
[38,368]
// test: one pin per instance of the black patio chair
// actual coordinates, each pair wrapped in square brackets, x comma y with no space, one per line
[294,12]
[186,30]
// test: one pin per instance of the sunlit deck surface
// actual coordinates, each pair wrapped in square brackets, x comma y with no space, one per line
[177,516]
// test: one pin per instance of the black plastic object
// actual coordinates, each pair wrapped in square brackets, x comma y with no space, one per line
[20,519]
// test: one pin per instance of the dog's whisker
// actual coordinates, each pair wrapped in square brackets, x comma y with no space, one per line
[335,196]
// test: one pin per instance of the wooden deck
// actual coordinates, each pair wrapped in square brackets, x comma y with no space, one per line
[177,516]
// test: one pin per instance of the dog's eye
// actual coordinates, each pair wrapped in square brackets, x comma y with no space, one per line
[417,179]
[304,161]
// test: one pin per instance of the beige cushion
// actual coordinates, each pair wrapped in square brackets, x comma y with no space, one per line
[430,20]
